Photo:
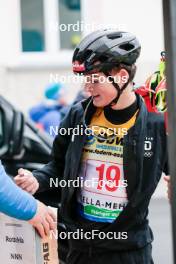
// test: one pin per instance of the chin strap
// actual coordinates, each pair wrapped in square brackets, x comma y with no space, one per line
[118,89]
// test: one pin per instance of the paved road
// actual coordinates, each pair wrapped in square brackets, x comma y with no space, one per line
[160,221]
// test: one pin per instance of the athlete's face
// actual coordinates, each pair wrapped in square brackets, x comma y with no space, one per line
[101,88]
[101,91]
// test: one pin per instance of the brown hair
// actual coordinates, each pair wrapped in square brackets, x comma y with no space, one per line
[131,69]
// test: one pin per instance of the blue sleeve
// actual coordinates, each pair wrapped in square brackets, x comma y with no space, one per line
[14,201]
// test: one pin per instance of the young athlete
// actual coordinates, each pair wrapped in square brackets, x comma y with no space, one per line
[118,157]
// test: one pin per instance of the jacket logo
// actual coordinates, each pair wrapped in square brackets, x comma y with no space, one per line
[148,147]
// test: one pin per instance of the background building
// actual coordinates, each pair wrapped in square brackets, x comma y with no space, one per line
[37,43]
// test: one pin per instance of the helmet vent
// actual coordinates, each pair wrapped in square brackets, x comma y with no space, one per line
[127,46]
[114,35]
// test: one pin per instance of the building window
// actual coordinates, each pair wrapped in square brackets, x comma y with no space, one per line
[69,23]
[32,23]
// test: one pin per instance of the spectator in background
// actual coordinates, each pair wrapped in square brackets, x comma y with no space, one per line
[48,113]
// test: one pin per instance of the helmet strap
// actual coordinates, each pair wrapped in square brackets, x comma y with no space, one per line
[118,89]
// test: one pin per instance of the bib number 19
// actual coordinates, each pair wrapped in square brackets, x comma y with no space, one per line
[111,175]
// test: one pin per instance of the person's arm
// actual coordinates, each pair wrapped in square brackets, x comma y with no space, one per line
[14,201]
[167,176]
[168,181]
[55,169]
[39,180]
[17,203]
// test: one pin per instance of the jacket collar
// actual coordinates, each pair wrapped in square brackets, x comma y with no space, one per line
[141,118]
[88,106]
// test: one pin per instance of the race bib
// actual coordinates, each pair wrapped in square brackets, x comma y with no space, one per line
[103,195]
